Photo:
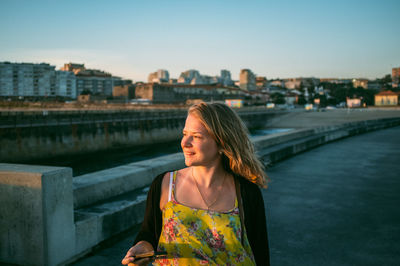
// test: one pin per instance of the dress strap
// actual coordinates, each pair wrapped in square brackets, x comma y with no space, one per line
[171,177]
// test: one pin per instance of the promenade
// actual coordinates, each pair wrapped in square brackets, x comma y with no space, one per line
[334,205]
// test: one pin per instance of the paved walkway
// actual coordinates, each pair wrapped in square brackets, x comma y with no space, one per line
[337,204]
[301,119]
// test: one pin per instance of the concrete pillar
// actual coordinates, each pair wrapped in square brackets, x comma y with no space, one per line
[36,215]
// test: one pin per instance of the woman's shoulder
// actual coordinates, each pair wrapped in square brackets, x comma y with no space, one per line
[162,179]
[244,182]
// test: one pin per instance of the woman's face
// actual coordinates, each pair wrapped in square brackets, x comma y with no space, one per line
[199,147]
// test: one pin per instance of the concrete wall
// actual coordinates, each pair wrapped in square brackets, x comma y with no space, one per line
[34,135]
[36,215]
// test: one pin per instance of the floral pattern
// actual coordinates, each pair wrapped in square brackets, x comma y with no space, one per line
[199,237]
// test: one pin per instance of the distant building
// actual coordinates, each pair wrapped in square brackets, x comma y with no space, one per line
[92,81]
[188,76]
[396,76]
[35,80]
[27,79]
[291,98]
[160,76]
[353,102]
[387,98]
[336,81]
[124,91]
[117,81]
[225,78]
[293,84]
[276,83]
[374,85]
[66,84]
[309,82]
[363,83]
[181,93]
[247,80]
[261,83]
[73,67]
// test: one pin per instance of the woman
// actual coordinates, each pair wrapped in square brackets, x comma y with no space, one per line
[212,211]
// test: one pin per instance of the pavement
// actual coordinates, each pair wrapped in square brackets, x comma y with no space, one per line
[337,204]
[299,119]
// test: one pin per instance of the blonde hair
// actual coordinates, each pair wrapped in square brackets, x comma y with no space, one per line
[232,138]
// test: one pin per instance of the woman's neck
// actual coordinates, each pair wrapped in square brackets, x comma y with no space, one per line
[207,176]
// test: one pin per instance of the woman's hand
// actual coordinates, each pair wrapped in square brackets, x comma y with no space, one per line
[140,248]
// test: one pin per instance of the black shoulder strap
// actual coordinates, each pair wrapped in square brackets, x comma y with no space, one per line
[240,203]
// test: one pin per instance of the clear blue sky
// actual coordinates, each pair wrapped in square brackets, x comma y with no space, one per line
[280,38]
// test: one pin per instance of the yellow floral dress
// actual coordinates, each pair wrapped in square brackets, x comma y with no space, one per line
[193,236]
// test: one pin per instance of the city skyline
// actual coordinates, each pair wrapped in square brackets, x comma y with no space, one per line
[344,39]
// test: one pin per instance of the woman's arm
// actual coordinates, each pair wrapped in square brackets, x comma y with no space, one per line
[140,248]
[255,221]
[151,227]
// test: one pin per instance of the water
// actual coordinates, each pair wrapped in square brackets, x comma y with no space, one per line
[262,132]
[100,160]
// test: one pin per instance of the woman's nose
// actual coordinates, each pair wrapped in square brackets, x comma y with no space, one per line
[186,141]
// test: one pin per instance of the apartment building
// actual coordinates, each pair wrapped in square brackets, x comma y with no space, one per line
[92,81]
[160,76]
[181,93]
[66,84]
[247,80]
[35,80]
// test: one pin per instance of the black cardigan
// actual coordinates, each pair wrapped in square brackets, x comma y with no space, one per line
[254,218]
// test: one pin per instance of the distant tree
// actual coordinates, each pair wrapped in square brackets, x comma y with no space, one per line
[278,98]
[86,92]
[387,79]
[301,100]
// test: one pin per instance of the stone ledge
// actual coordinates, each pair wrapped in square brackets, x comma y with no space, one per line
[101,185]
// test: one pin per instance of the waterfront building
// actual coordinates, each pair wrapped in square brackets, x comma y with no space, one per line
[181,93]
[387,98]
[27,79]
[160,76]
[247,80]
[92,81]
[126,91]
[172,81]
[117,81]
[66,84]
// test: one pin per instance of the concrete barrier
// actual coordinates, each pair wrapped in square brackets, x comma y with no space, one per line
[36,215]
[101,185]
[44,210]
